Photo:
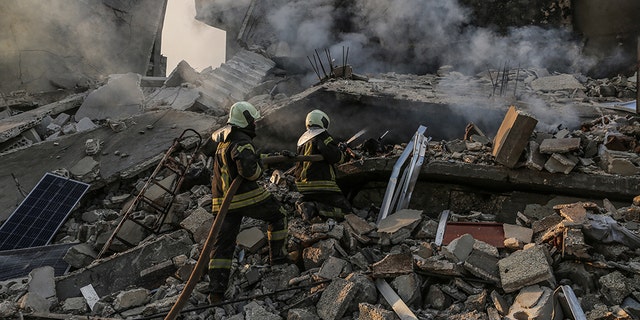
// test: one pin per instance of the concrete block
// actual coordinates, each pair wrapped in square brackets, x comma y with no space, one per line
[499,302]
[524,268]
[125,267]
[314,256]
[61,119]
[623,167]
[35,302]
[408,288]
[535,160]
[333,268]
[614,288]
[254,311]
[459,248]
[335,299]
[75,305]
[565,145]
[369,311]
[512,137]
[560,163]
[483,265]
[367,290]
[397,227]
[41,281]
[195,220]
[80,255]
[393,265]
[359,225]
[436,298]
[85,124]
[532,302]
[251,239]
[131,298]
[518,232]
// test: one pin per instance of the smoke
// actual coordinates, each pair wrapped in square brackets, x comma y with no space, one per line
[416,36]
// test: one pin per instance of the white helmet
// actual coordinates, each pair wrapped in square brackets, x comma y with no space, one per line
[317,118]
[242,114]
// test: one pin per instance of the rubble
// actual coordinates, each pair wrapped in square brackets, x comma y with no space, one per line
[357,268]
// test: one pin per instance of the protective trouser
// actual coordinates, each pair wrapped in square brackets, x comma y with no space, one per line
[224,244]
[328,204]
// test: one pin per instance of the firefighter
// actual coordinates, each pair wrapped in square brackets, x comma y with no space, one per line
[236,156]
[316,181]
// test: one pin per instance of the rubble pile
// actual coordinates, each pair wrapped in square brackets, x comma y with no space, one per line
[353,268]
[338,265]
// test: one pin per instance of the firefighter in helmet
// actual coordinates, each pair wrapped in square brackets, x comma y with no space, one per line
[236,156]
[316,181]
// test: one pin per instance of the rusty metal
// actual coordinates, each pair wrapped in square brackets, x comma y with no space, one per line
[168,162]
[489,232]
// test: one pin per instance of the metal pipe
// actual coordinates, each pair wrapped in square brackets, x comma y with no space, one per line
[321,65]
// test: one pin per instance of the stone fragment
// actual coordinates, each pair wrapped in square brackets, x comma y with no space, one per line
[623,167]
[335,299]
[459,248]
[314,256]
[524,268]
[535,160]
[533,302]
[518,232]
[613,287]
[75,305]
[561,163]
[80,255]
[333,268]
[254,311]
[42,282]
[251,239]
[482,265]
[499,302]
[34,302]
[374,312]
[550,146]
[393,265]
[183,73]
[436,298]
[131,298]
[198,223]
[408,288]
[359,225]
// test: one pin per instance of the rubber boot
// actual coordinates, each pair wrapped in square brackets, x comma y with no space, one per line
[218,281]
[277,252]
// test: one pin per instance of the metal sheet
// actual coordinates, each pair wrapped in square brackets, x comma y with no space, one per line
[489,232]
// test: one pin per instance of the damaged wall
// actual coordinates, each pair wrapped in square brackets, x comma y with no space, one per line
[62,44]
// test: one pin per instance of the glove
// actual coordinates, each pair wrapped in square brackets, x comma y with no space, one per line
[342,146]
[288,154]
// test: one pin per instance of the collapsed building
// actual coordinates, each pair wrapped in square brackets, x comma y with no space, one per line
[517,196]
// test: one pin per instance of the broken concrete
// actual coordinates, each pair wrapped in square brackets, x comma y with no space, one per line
[512,137]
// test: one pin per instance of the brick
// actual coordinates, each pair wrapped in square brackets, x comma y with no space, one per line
[512,137]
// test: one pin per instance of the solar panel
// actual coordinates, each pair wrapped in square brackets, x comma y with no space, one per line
[41,213]
[19,262]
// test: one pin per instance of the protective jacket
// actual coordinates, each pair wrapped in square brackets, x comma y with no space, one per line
[312,177]
[235,156]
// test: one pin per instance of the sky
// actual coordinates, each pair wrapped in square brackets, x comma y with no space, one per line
[185,38]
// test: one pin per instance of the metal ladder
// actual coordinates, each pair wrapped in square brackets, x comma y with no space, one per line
[179,167]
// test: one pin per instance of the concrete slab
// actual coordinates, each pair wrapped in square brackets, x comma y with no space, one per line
[121,97]
[126,267]
[29,165]
[524,268]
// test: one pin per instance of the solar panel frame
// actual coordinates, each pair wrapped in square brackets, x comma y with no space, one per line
[36,220]
[19,263]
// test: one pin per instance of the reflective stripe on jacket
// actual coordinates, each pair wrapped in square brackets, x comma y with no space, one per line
[234,157]
[319,176]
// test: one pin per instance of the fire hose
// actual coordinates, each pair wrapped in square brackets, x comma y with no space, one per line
[197,272]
